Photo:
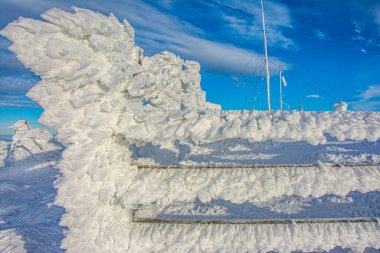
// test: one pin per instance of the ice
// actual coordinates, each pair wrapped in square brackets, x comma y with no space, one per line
[10,241]
[102,95]
[28,219]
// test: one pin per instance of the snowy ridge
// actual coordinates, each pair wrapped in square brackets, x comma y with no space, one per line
[3,152]
[253,238]
[10,241]
[256,184]
[28,219]
[102,94]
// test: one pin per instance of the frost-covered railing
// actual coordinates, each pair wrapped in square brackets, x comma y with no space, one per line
[209,221]
[246,166]
[101,94]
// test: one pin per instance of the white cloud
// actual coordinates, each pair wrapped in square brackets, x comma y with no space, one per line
[16,101]
[16,85]
[370,98]
[313,96]
[371,92]
[363,38]
[277,20]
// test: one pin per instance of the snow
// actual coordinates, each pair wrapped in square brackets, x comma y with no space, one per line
[247,238]
[261,184]
[102,95]
[27,223]
[3,152]
[11,242]
[340,106]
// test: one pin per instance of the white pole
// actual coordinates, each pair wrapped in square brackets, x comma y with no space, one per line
[266,56]
[281,90]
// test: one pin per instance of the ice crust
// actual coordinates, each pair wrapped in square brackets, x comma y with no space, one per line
[240,185]
[28,219]
[10,241]
[248,238]
[101,95]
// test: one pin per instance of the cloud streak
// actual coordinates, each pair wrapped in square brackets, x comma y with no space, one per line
[16,101]
[12,85]
[244,17]
[313,96]
[370,98]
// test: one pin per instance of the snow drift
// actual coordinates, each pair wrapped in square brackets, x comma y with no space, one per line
[102,95]
[28,218]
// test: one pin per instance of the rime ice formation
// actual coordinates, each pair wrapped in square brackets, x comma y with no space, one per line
[28,218]
[246,238]
[32,147]
[10,241]
[340,106]
[255,184]
[102,94]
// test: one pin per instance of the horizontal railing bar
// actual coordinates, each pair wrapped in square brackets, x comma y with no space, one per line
[252,166]
[257,221]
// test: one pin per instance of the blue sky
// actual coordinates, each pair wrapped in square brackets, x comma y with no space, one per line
[330,50]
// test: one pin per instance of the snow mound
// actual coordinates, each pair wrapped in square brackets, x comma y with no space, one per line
[3,152]
[239,185]
[101,95]
[10,241]
[32,147]
[257,238]
[27,222]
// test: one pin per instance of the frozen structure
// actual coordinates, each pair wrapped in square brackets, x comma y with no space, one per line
[29,221]
[101,94]
[340,106]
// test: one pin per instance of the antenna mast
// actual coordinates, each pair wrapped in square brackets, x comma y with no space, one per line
[266,56]
[280,89]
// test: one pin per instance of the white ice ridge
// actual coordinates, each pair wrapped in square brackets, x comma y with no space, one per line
[10,241]
[239,185]
[253,238]
[101,94]
[32,147]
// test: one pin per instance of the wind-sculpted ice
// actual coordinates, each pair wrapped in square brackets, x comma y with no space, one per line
[101,95]
[254,184]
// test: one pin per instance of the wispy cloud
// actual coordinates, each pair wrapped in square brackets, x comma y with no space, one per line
[13,89]
[369,99]
[363,38]
[16,101]
[371,92]
[244,17]
[16,85]
[313,96]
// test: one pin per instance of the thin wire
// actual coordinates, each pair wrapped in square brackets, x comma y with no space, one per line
[305,82]
[245,67]
[248,96]
[314,75]
[260,77]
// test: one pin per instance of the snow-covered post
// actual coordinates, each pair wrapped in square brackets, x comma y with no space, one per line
[340,106]
[266,56]
[280,90]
